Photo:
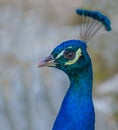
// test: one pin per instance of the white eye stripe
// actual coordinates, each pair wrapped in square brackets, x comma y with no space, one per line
[78,54]
[61,53]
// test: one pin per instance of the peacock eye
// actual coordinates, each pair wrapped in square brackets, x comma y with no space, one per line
[69,54]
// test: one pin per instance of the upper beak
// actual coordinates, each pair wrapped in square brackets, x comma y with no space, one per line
[48,61]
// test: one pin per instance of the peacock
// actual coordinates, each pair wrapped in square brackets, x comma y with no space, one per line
[77,109]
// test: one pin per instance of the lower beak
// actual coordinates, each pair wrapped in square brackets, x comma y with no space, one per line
[48,61]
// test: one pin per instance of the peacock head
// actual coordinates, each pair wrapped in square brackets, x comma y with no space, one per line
[70,56]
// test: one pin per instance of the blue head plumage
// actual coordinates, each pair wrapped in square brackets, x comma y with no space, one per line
[66,56]
[77,111]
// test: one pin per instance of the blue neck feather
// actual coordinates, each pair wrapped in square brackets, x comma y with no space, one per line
[77,111]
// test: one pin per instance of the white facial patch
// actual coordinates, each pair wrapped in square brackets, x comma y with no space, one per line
[62,52]
[78,54]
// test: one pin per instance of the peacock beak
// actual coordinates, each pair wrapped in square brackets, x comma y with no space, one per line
[48,61]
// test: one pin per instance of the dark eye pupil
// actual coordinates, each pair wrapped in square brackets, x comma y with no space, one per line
[69,55]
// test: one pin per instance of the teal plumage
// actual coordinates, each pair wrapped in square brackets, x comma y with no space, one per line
[77,110]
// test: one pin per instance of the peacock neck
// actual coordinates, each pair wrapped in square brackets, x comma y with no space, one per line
[77,107]
[81,83]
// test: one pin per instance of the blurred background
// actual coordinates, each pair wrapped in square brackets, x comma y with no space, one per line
[29,29]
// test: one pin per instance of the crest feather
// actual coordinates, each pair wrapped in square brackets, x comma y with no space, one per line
[92,22]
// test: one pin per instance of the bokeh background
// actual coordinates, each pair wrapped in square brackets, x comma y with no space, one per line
[29,29]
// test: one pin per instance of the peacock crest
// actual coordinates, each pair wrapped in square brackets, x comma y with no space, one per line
[91,23]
